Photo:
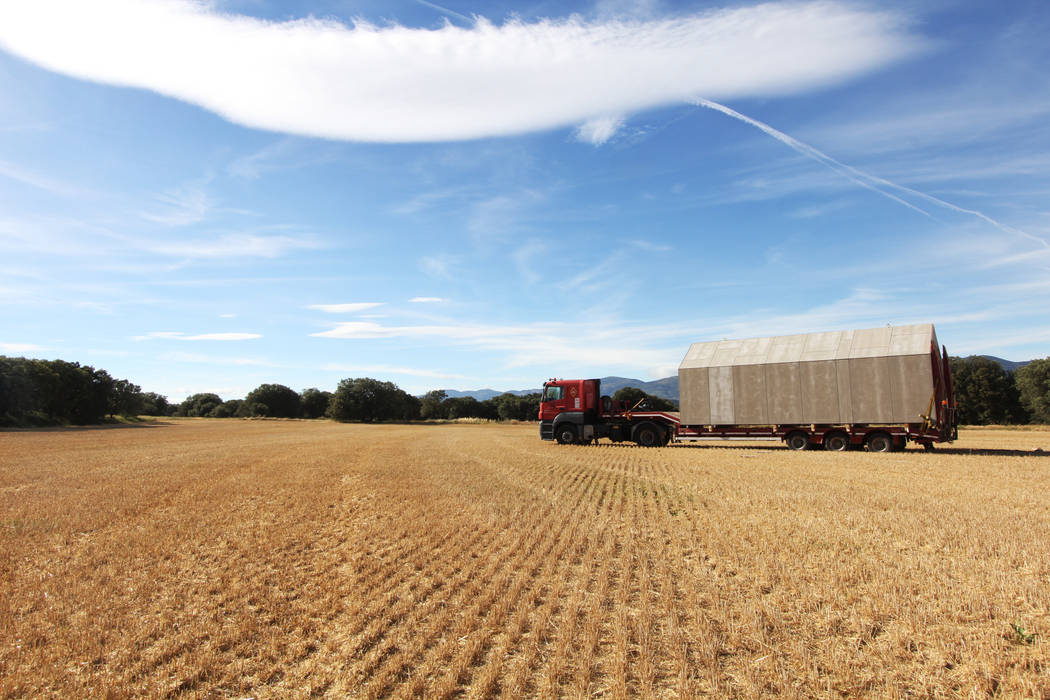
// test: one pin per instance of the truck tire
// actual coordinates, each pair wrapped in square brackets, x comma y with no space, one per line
[797,440]
[565,434]
[648,435]
[836,441]
[879,442]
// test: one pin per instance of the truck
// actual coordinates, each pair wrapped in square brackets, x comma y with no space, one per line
[874,388]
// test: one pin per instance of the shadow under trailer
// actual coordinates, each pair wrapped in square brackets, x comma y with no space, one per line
[875,388]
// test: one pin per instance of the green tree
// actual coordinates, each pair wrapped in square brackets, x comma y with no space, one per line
[632,395]
[125,399]
[314,402]
[1033,384]
[432,406]
[19,397]
[277,400]
[463,407]
[227,409]
[154,404]
[512,407]
[985,392]
[199,405]
[366,399]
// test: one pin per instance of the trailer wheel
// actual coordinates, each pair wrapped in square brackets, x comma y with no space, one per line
[648,435]
[836,441]
[565,434]
[879,442]
[797,440]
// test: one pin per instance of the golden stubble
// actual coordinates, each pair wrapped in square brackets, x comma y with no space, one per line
[227,558]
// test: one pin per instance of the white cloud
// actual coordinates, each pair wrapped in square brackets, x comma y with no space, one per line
[549,345]
[20,347]
[18,174]
[441,265]
[196,358]
[598,130]
[177,335]
[395,83]
[181,206]
[650,246]
[385,369]
[427,300]
[236,245]
[346,308]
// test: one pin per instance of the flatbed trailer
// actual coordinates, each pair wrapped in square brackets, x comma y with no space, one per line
[866,386]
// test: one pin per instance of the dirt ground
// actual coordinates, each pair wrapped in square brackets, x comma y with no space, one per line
[231,558]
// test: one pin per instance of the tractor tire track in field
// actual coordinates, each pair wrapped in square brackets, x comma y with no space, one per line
[311,559]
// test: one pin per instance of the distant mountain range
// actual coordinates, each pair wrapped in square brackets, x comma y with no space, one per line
[1008,365]
[666,388]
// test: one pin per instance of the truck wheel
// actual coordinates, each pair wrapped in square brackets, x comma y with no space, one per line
[565,434]
[837,441]
[797,440]
[879,442]
[648,435]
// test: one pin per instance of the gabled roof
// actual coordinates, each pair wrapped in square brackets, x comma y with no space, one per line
[888,341]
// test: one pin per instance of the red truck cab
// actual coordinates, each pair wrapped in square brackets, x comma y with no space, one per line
[574,411]
[561,395]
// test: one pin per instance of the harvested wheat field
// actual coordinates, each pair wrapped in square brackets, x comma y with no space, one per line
[226,558]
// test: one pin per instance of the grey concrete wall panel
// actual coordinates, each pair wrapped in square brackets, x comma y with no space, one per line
[786,348]
[695,402]
[912,387]
[875,375]
[871,342]
[722,398]
[845,343]
[820,392]
[845,395]
[821,346]
[726,353]
[750,394]
[871,385]
[699,355]
[785,400]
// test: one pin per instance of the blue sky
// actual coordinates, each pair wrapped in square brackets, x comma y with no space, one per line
[210,196]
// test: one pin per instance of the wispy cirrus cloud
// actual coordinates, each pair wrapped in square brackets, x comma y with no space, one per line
[201,359]
[387,369]
[427,300]
[17,173]
[180,206]
[396,84]
[235,245]
[20,347]
[178,335]
[350,308]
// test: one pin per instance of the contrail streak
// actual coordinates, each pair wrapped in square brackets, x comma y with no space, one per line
[860,177]
[445,10]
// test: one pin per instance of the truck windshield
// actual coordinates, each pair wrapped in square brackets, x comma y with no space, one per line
[551,393]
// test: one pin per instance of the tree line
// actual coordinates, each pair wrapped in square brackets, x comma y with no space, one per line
[56,392]
[361,399]
[988,394]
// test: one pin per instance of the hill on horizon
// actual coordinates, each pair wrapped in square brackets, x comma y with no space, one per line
[666,388]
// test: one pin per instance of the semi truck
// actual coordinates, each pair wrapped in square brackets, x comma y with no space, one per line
[874,388]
